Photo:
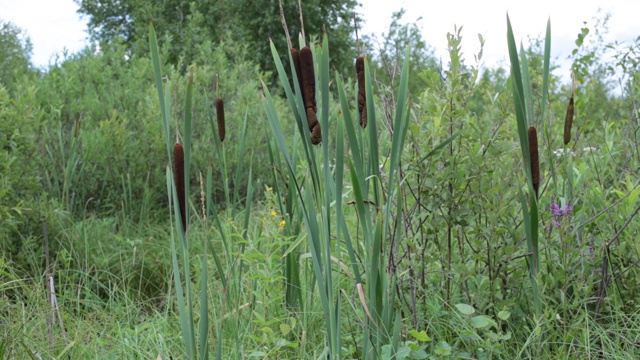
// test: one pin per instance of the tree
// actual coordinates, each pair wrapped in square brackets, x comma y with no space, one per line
[388,55]
[184,26]
[15,54]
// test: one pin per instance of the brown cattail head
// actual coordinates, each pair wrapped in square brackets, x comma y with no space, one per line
[308,78]
[178,170]
[295,55]
[362,98]
[533,156]
[568,121]
[220,114]
[316,134]
[308,88]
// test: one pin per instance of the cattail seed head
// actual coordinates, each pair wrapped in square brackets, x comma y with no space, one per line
[220,115]
[316,134]
[362,97]
[308,88]
[295,55]
[178,169]
[308,78]
[533,157]
[568,121]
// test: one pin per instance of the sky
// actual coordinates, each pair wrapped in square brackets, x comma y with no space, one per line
[54,25]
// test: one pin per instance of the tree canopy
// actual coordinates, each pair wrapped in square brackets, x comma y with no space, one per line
[183,26]
[15,53]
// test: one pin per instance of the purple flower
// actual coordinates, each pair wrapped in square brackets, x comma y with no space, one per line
[559,212]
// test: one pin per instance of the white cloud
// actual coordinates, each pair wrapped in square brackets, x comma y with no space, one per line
[52,26]
[489,19]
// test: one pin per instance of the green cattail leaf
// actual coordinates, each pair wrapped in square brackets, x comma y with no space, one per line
[339,173]
[373,163]
[157,72]
[546,70]
[187,143]
[518,96]
[401,121]
[526,84]
[204,307]
[211,210]
[354,145]
[240,155]
[248,204]
[185,319]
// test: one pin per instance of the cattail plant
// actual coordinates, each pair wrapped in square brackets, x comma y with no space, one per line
[196,343]
[362,98]
[326,229]
[178,169]
[568,121]
[533,156]
[220,117]
[523,104]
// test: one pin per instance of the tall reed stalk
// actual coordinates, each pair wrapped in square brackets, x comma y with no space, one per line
[319,191]
[526,121]
[178,193]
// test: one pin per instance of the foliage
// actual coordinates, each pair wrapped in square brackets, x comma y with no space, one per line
[15,54]
[23,204]
[100,147]
[406,239]
[387,57]
[186,26]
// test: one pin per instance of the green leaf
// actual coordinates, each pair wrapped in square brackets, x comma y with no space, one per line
[420,335]
[419,354]
[443,348]
[465,309]
[285,329]
[282,342]
[504,315]
[483,321]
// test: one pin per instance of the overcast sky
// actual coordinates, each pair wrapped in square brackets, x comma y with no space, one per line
[54,25]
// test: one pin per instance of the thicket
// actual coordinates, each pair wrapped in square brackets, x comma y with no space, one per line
[435,220]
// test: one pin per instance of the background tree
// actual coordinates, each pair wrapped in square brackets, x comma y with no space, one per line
[387,53]
[15,54]
[183,27]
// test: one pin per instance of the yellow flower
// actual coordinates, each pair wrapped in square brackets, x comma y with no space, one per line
[269,189]
[274,213]
[283,223]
